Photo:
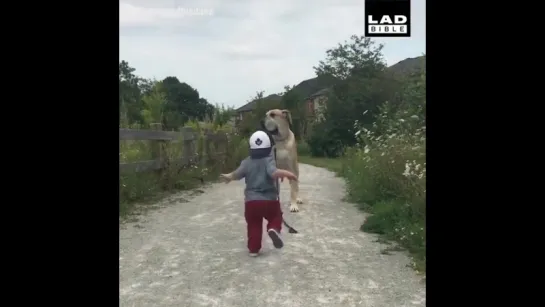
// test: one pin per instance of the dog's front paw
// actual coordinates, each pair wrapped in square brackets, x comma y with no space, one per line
[294,207]
[299,200]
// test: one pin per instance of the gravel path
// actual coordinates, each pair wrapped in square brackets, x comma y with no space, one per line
[192,252]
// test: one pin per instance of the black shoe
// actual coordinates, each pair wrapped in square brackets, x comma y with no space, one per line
[275,237]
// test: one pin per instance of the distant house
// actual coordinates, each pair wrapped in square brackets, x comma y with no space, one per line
[247,109]
[316,104]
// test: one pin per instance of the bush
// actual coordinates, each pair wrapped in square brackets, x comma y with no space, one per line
[386,172]
[148,186]
[323,143]
[302,148]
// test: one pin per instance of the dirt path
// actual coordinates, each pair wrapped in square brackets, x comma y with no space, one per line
[193,253]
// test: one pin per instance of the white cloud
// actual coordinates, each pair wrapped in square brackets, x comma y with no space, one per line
[228,50]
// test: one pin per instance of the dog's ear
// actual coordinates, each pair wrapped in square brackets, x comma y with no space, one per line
[287,115]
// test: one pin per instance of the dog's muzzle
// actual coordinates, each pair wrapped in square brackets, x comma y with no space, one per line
[269,126]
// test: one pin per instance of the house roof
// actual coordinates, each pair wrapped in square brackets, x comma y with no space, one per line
[251,105]
[321,92]
[247,107]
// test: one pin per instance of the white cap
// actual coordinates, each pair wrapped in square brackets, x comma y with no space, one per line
[260,140]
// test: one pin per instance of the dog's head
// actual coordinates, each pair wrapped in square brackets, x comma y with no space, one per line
[277,123]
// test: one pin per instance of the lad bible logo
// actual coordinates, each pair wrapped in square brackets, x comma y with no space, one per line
[388,18]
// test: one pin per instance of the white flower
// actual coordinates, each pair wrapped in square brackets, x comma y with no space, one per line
[407,171]
[414,117]
[402,120]
[366,149]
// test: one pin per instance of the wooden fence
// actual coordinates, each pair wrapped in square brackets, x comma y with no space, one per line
[157,138]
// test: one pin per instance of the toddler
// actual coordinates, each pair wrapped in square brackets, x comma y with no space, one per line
[261,199]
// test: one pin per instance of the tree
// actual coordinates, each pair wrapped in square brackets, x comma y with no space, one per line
[222,115]
[293,101]
[359,67]
[139,100]
[204,110]
[184,103]
[130,102]
[360,57]
[154,104]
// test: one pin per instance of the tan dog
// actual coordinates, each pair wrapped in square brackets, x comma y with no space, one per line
[277,123]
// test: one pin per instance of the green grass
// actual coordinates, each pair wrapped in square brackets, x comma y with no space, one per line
[334,165]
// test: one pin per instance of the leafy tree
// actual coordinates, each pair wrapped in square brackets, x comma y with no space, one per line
[180,98]
[130,102]
[204,110]
[139,100]
[184,103]
[359,67]
[223,115]
[293,101]
[154,103]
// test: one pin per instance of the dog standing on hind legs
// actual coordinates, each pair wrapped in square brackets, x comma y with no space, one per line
[277,123]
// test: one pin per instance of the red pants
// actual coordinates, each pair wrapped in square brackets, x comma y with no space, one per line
[254,212]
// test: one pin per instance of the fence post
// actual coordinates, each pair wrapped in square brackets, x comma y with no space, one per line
[157,145]
[223,149]
[208,155]
[187,149]
[201,137]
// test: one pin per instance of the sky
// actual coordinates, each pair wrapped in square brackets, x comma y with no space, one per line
[229,50]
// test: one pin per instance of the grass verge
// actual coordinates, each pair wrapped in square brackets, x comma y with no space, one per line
[139,191]
[392,218]
[334,165]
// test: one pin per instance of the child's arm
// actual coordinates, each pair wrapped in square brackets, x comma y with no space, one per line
[276,173]
[237,174]
[281,173]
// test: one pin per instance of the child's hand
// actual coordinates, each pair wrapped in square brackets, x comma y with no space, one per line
[291,176]
[280,173]
[226,177]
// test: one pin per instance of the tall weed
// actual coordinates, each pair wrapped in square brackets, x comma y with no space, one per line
[386,175]
[143,187]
